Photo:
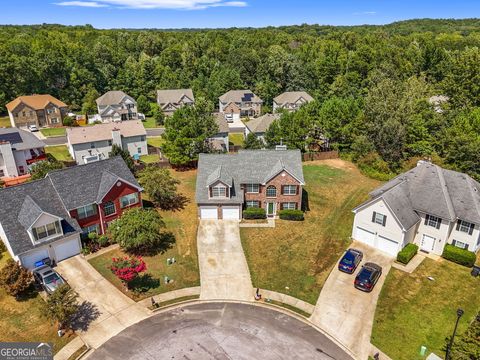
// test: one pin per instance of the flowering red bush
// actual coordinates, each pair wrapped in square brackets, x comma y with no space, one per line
[128,268]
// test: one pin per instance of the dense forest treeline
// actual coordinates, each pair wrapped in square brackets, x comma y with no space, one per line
[371,83]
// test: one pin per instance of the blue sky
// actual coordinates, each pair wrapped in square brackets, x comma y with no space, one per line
[228,13]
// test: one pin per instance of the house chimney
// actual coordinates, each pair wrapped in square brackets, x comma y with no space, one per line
[117,137]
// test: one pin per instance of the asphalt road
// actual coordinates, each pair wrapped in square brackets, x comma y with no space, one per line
[61,140]
[220,331]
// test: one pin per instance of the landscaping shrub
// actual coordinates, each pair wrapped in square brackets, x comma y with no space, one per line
[15,279]
[128,268]
[458,255]
[103,240]
[3,248]
[62,306]
[254,213]
[295,215]
[407,253]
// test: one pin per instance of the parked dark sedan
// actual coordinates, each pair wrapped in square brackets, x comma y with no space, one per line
[350,261]
[368,277]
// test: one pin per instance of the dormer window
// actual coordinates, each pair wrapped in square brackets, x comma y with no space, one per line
[47,231]
[219,191]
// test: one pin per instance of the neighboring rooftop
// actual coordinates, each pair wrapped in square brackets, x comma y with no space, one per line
[238,96]
[20,139]
[36,102]
[262,123]
[111,98]
[99,132]
[173,96]
[245,167]
[292,97]
[221,122]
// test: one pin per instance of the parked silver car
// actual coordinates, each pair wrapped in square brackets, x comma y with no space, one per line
[47,278]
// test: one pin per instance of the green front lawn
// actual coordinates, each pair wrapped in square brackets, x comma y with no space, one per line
[236,139]
[53,132]
[59,152]
[149,123]
[23,321]
[421,311]
[5,121]
[155,141]
[184,272]
[150,159]
[296,257]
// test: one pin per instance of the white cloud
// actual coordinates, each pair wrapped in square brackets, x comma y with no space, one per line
[155,4]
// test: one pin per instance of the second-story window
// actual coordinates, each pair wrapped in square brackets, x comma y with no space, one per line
[465,226]
[86,211]
[219,191]
[271,191]
[289,190]
[379,218]
[109,208]
[128,200]
[46,231]
[253,188]
[433,221]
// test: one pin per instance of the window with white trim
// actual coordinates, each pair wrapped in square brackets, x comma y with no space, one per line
[465,226]
[378,218]
[271,191]
[87,211]
[253,188]
[433,221]
[54,120]
[46,231]
[219,191]
[289,206]
[109,208]
[460,244]
[289,189]
[128,200]
[252,204]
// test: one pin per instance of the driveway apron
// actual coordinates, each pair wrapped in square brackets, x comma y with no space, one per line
[224,273]
[347,313]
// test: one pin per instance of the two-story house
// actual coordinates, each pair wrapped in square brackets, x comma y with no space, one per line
[173,99]
[116,106]
[92,143]
[19,149]
[428,205]
[291,100]
[240,103]
[46,218]
[39,110]
[267,179]
[220,141]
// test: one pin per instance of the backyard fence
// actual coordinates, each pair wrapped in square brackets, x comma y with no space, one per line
[324,155]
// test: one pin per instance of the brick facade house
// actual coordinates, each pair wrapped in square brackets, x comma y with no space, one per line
[268,179]
[40,110]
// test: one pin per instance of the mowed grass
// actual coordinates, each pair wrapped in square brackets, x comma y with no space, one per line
[236,139]
[184,272]
[413,311]
[149,123]
[23,321]
[5,121]
[155,141]
[150,159]
[296,257]
[59,152]
[53,132]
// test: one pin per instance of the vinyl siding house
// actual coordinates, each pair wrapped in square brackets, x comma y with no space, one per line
[291,100]
[219,141]
[93,143]
[116,106]
[260,125]
[240,103]
[229,183]
[171,100]
[428,205]
[40,110]
[46,218]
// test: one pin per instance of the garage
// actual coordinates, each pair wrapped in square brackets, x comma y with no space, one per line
[66,249]
[365,236]
[230,213]
[387,245]
[32,257]
[208,212]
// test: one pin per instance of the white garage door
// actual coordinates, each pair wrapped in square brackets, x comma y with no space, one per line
[230,213]
[67,249]
[387,245]
[208,212]
[29,260]
[365,236]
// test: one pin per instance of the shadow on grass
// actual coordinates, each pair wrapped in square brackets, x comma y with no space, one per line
[164,243]
[144,283]
[305,203]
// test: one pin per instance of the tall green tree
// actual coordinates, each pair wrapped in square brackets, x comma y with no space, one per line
[89,104]
[118,151]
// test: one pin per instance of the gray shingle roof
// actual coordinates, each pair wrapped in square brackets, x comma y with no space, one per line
[85,184]
[430,189]
[111,97]
[222,123]
[173,95]
[261,124]
[292,97]
[245,167]
[238,96]
[20,139]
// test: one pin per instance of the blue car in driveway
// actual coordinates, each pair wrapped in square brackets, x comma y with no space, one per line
[350,261]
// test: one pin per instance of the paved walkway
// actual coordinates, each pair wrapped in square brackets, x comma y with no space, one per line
[287,299]
[412,264]
[224,273]
[269,224]
[175,294]
[105,311]
[347,313]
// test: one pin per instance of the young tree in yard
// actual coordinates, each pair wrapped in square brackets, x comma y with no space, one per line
[62,306]
[89,105]
[161,188]
[141,231]
[42,168]
[252,142]
[143,105]
[467,345]
[15,279]
[186,132]
[128,268]
[157,114]
[118,151]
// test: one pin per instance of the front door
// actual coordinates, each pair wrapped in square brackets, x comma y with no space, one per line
[271,209]
[428,243]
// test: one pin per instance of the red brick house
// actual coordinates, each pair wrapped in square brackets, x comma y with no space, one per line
[268,179]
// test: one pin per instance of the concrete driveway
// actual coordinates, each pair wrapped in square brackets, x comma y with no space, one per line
[105,311]
[220,331]
[347,313]
[224,273]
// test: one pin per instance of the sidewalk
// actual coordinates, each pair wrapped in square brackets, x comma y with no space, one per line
[175,294]
[287,299]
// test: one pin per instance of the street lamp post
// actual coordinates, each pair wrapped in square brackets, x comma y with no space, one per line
[449,347]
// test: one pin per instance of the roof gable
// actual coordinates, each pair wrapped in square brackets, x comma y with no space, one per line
[36,102]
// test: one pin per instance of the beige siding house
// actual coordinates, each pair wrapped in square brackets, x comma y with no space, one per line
[173,99]
[40,110]
[291,100]
[116,106]
[242,102]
